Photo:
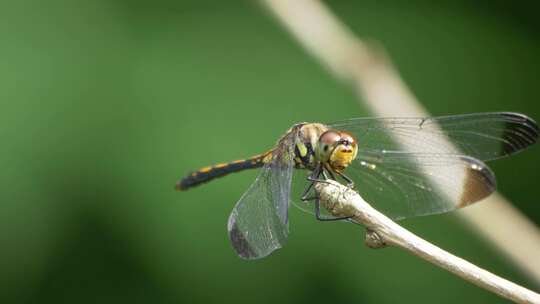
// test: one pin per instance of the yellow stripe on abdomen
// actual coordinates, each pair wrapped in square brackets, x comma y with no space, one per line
[207,174]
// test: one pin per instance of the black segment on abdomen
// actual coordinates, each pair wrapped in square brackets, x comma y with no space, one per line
[209,173]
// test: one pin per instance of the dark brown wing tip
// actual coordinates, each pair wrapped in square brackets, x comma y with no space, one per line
[480,182]
[521,131]
[240,243]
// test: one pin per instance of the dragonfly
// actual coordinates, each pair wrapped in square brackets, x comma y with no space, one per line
[405,167]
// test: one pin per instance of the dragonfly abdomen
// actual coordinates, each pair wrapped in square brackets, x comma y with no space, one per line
[207,174]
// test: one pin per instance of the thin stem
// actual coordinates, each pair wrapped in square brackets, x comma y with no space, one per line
[343,201]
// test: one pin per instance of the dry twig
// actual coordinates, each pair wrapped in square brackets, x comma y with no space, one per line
[342,201]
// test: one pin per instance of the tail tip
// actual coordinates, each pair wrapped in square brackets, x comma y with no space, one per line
[179,186]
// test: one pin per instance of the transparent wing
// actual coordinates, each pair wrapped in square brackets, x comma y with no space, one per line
[403,185]
[485,136]
[416,166]
[258,224]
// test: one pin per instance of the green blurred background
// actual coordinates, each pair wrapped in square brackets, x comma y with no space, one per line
[106,103]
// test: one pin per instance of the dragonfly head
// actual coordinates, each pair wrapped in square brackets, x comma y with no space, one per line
[337,149]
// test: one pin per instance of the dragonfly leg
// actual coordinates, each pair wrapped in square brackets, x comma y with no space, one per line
[313,178]
[318,203]
[350,182]
[326,219]
[332,176]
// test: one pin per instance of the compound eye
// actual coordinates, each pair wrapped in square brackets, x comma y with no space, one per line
[348,138]
[329,138]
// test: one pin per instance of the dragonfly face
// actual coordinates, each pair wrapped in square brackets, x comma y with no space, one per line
[405,167]
[337,149]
